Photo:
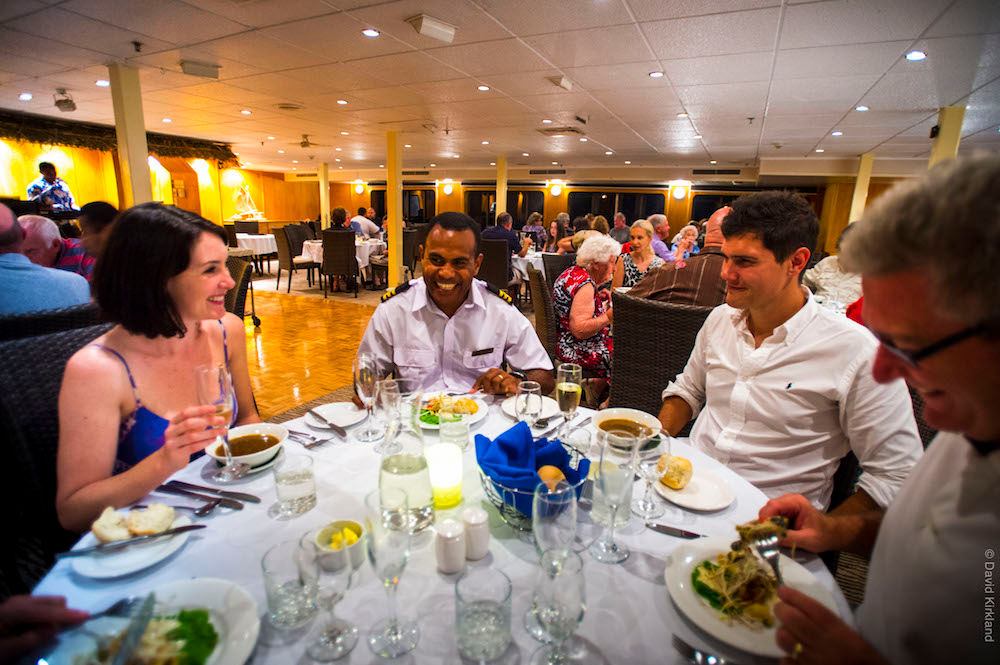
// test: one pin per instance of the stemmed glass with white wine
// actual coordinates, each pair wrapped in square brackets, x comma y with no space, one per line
[568,393]
[614,477]
[365,381]
[215,387]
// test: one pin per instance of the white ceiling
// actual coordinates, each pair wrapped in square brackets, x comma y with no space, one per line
[760,79]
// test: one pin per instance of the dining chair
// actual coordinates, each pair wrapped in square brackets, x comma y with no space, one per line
[340,258]
[555,264]
[247,227]
[410,240]
[47,321]
[231,235]
[545,315]
[309,229]
[496,263]
[236,297]
[296,234]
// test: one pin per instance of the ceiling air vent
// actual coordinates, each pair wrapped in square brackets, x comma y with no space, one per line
[547,172]
[416,172]
[715,171]
[560,131]
[289,106]
[303,175]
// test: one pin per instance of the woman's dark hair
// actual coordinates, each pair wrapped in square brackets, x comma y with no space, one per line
[581,224]
[456,221]
[561,230]
[69,230]
[783,221]
[149,244]
[96,215]
[338,216]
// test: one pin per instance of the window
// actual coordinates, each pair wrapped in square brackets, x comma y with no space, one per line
[633,206]
[640,206]
[418,205]
[481,206]
[599,203]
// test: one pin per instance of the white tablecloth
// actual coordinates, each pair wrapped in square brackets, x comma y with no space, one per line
[364,250]
[260,243]
[629,616]
[520,264]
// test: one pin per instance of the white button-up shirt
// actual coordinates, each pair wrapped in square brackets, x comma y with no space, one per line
[411,336]
[933,574]
[784,414]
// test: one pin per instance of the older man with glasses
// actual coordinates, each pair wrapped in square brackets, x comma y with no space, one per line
[932,584]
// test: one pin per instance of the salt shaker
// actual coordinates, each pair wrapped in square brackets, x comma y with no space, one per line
[449,547]
[477,533]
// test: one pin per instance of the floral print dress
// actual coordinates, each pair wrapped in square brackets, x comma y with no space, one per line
[594,352]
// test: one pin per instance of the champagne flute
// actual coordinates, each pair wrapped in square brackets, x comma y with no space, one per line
[333,575]
[647,463]
[528,402]
[559,603]
[365,380]
[568,392]
[387,539]
[215,387]
[387,402]
[614,477]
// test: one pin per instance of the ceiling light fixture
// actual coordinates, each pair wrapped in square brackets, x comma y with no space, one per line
[341,101]
[546,121]
[485,142]
[433,164]
[861,108]
[294,169]
[270,138]
[344,133]
[295,161]
[448,189]
[359,188]
[655,75]
[627,162]
[456,156]
[524,154]
[25,96]
[916,56]
[167,120]
[245,111]
[555,163]
[682,115]
[102,83]
[407,145]
[555,190]
[712,161]
[697,136]
[338,149]
[207,70]
[337,159]
[281,152]
[583,139]
[837,133]
[820,150]
[608,152]
[483,88]
[370,32]
[428,26]
[493,163]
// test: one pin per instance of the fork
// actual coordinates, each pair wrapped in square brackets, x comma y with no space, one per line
[307,440]
[767,548]
[698,656]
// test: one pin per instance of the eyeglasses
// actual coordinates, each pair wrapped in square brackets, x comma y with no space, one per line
[911,358]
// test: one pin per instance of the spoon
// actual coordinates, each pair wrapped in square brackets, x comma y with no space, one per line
[200,511]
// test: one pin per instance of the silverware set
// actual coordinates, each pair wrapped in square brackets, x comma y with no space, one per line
[307,441]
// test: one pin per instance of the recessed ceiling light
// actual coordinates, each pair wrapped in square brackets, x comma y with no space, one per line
[682,115]
[627,162]
[295,161]
[456,156]
[713,161]
[546,121]
[483,88]
[25,96]
[245,111]
[407,145]
[861,107]
[344,133]
[583,139]
[270,138]
[294,169]
[167,120]
[381,166]
[338,149]
[337,159]
[696,136]
[915,56]
[102,83]
[493,163]
[485,142]
[820,150]
[281,152]
[370,32]
[655,75]
[340,167]
[237,154]
[341,101]
[837,133]
[433,164]
[554,163]
[524,154]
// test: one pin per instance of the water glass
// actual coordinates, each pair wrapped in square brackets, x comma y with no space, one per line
[295,486]
[482,613]
[333,577]
[559,604]
[387,393]
[647,464]
[528,402]
[290,585]
[568,392]
[553,518]
[365,381]
[454,430]
[614,478]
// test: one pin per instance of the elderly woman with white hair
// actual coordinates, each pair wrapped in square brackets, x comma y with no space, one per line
[582,309]
[685,246]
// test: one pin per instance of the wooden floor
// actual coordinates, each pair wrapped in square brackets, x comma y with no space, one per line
[303,349]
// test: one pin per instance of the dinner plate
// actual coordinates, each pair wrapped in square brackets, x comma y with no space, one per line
[705,491]
[344,414]
[106,565]
[474,418]
[759,641]
[550,407]
[232,611]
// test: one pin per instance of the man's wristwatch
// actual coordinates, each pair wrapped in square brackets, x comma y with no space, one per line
[520,376]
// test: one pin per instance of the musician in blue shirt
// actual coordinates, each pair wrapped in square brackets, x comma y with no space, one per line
[51,190]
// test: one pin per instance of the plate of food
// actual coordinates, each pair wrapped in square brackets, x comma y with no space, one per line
[692,488]
[730,594]
[115,525]
[199,621]
[344,414]
[550,407]
[472,409]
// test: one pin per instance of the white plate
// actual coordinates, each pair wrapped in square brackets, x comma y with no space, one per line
[690,553]
[705,491]
[105,565]
[344,414]
[550,407]
[212,468]
[474,418]
[231,609]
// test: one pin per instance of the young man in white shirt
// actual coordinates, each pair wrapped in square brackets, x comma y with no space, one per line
[782,387]
[932,582]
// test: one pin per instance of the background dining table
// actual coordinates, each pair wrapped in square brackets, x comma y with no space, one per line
[363,249]
[520,264]
[258,243]
[629,614]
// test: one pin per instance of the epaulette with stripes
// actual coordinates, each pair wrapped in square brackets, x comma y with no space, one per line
[499,293]
[396,290]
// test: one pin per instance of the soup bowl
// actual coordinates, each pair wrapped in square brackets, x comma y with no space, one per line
[258,457]
[639,419]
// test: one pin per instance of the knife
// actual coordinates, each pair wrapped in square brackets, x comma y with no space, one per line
[227,503]
[337,429]
[673,531]
[136,628]
[239,496]
[128,542]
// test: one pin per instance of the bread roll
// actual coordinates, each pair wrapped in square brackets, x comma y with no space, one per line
[675,472]
[154,519]
[110,526]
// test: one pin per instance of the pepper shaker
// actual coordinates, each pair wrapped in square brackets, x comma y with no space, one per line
[449,547]
[477,533]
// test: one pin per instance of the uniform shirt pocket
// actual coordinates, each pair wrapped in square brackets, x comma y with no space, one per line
[484,361]
[410,357]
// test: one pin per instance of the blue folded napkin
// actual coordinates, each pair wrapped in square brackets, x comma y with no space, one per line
[512,458]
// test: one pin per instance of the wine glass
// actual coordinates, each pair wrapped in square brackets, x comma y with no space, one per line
[215,387]
[365,380]
[553,518]
[647,463]
[568,392]
[334,573]
[387,404]
[559,603]
[387,525]
[528,402]
[614,477]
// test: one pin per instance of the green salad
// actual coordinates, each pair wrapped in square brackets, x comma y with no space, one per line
[198,635]
[428,417]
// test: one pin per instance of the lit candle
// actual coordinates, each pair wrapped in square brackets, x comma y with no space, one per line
[444,462]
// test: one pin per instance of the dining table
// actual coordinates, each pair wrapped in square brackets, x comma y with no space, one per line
[258,243]
[364,249]
[629,617]
[520,264]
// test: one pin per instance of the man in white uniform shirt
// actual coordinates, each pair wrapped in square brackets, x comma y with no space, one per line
[784,386]
[367,226]
[450,331]
[932,582]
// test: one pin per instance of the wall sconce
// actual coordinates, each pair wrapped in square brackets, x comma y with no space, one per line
[679,189]
[555,190]
[359,188]
[448,189]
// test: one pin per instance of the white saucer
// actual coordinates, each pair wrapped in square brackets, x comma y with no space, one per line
[550,407]
[344,414]
[706,491]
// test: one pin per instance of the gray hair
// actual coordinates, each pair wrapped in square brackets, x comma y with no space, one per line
[43,226]
[946,225]
[644,225]
[563,217]
[597,249]
[657,220]
[690,226]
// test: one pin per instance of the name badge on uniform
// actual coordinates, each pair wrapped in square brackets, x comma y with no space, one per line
[482,352]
